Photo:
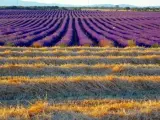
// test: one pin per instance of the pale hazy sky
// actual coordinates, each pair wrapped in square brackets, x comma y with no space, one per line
[115,2]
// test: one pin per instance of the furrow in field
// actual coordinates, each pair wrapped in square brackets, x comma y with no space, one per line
[36,53]
[127,87]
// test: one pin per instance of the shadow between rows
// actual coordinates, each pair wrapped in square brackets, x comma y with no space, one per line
[79,90]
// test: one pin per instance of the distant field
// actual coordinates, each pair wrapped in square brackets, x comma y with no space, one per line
[78,28]
[79,83]
[99,9]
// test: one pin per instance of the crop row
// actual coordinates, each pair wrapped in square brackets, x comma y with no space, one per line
[85,109]
[41,69]
[78,28]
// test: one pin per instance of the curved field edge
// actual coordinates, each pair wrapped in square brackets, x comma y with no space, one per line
[75,48]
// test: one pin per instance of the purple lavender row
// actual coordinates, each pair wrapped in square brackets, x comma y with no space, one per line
[68,36]
[123,40]
[83,39]
[107,36]
[48,40]
[41,34]
[143,34]
[136,36]
[19,36]
[39,25]
[94,34]
[20,28]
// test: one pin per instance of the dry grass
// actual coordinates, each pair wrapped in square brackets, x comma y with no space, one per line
[90,60]
[118,68]
[80,83]
[65,52]
[81,65]
[2,48]
[25,88]
[94,109]
[42,69]
[7,52]
[37,108]
[56,79]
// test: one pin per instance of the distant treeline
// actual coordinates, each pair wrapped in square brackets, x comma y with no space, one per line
[32,8]
[79,8]
[126,8]
[145,9]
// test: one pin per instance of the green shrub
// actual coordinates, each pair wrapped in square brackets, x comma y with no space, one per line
[131,43]
[62,45]
[10,44]
[156,45]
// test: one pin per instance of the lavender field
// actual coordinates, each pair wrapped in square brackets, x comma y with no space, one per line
[79,65]
[78,28]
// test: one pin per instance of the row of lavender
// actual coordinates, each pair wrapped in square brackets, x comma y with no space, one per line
[49,28]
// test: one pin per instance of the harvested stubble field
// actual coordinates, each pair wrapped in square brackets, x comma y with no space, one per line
[79,83]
